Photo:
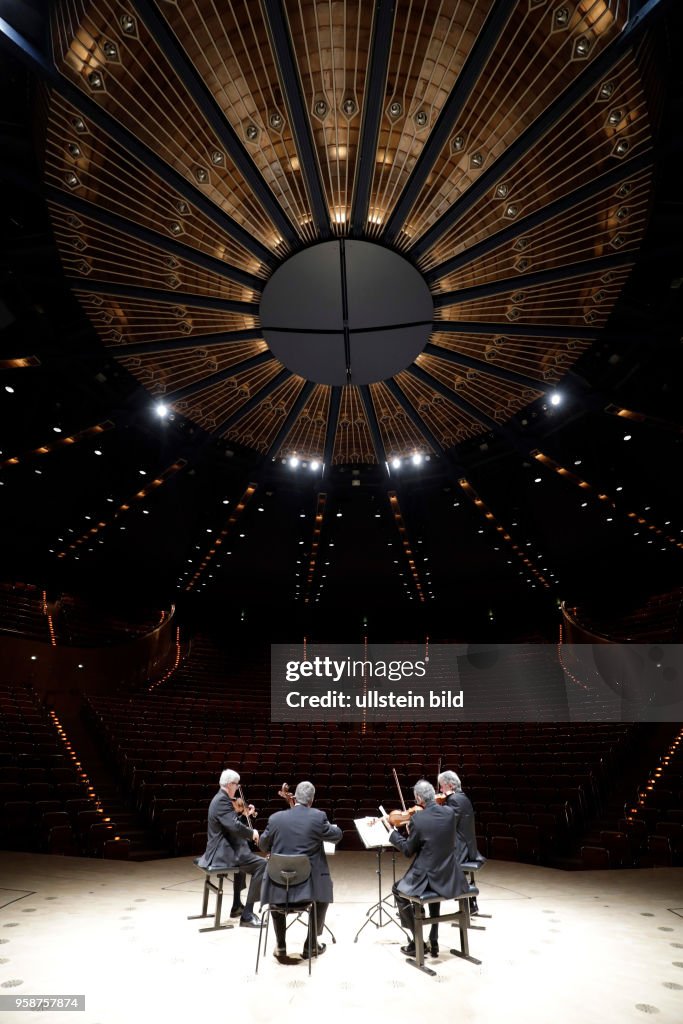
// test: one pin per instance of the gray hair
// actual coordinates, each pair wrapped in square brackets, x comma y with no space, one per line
[424,792]
[304,793]
[451,779]
[227,777]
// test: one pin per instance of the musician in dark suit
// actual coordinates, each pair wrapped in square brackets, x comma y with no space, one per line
[451,786]
[227,847]
[300,830]
[433,833]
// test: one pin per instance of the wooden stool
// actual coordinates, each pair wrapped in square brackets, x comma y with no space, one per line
[213,882]
[461,916]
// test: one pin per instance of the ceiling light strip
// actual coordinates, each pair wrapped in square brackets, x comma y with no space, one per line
[233,518]
[63,442]
[125,507]
[315,544]
[562,471]
[488,515]
[405,541]
[19,363]
[640,417]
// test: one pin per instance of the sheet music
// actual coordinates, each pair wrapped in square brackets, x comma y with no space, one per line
[329,847]
[373,832]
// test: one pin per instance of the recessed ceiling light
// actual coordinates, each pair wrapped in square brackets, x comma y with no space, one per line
[627,437]
[97,451]
[9,390]
[537,480]
[57,430]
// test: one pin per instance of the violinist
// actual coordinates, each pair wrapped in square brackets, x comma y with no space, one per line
[435,868]
[451,787]
[227,846]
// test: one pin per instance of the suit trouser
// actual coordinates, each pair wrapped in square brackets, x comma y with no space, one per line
[280,922]
[249,864]
[407,915]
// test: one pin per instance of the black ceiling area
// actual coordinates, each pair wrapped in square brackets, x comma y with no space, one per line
[343,315]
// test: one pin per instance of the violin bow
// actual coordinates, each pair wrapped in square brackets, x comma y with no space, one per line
[398,787]
[247,815]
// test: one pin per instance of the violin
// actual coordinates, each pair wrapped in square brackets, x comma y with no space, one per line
[398,818]
[286,795]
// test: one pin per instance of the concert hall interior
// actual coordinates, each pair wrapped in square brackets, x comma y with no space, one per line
[346,329]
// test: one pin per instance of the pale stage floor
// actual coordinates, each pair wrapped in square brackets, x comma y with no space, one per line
[570,948]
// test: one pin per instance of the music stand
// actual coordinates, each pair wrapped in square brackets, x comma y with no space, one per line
[374,836]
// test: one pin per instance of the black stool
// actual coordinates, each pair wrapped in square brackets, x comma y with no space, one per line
[213,882]
[461,917]
[470,868]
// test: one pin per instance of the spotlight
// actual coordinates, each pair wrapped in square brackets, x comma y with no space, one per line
[555,398]
[315,465]
[294,462]
[396,463]
[417,459]
[161,409]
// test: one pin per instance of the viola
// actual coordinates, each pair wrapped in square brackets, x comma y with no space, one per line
[286,795]
[398,818]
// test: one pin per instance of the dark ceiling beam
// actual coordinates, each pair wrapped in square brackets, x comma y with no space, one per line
[489,368]
[511,330]
[614,177]
[415,418]
[331,429]
[216,378]
[460,403]
[589,78]
[289,421]
[193,341]
[279,37]
[226,136]
[41,66]
[551,276]
[375,79]
[477,58]
[169,245]
[132,291]
[252,402]
[373,425]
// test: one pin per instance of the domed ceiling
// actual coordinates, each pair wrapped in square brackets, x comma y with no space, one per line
[348,232]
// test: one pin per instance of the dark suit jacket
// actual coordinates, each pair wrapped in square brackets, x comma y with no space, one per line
[433,834]
[296,831]
[467,839]
[227,837]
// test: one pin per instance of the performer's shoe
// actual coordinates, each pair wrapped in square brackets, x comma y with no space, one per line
[250,921]
[280,954]
[434,948]
[237,910]
[408,950]
[318,951]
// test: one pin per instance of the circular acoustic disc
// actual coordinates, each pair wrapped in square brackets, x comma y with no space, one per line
[346,312]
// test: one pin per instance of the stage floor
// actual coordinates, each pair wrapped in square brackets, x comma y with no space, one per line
[567,948]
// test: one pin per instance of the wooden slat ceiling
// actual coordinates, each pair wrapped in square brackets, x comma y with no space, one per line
[190,171]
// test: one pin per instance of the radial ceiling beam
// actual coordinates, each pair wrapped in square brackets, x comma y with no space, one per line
[491,369]
[117,223]
[414,417]
[590,77]
[476,60]
[279,37]
[376,79]
[192,341]
[373,425]
[289,420]
[226,136]
[255,400]
[331,429]
[216,378]
[461,403]
[539,217]
[510,330]
[552,276]
[132,291]
[14,43]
